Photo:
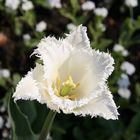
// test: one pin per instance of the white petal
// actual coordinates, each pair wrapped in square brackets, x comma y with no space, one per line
[103,64]
[33,87]
[90,70]
[103,106]
[82,68]
[53,52]
[78,38]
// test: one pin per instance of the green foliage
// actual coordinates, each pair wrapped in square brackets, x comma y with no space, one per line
[118,28]
[22,131]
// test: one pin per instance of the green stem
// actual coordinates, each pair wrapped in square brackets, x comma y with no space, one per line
[47,125]
[131,13]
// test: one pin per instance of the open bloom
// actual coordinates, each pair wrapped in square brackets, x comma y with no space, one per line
[72,77]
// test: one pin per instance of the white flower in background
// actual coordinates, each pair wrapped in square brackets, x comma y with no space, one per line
[120,48]
[5,133]
[49,137]
[102,12]
[4,73]
[124,93]
[88,5]
[131,3]
[8,123]
[123,84]
[123,81]
[27,5]
[55,3]
[128,67]
[12,4]
[2,108]
[1,122]
[71,27]
[41,26]
[108,1]
[72,78]
[26,37]
[125,53]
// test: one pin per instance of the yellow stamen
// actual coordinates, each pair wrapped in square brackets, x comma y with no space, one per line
[65,90]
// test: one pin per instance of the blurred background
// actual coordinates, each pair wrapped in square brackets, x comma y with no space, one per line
[113,26]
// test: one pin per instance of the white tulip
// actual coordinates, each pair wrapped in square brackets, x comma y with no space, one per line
[72,77]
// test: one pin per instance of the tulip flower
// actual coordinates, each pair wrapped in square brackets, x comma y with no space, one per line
[72,77]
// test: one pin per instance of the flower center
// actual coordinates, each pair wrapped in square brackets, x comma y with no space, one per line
[66,88]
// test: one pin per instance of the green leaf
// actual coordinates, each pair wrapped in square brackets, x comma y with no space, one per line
[68,15]
[43,3]
[41,112]
[134,126]
[78,134]
[29,18]
[28,108]
[20,123]
[32,43]
[103,43]
[137,87]
[75,6]
[82,19]
[18,26]
[2,82]
[16,78]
